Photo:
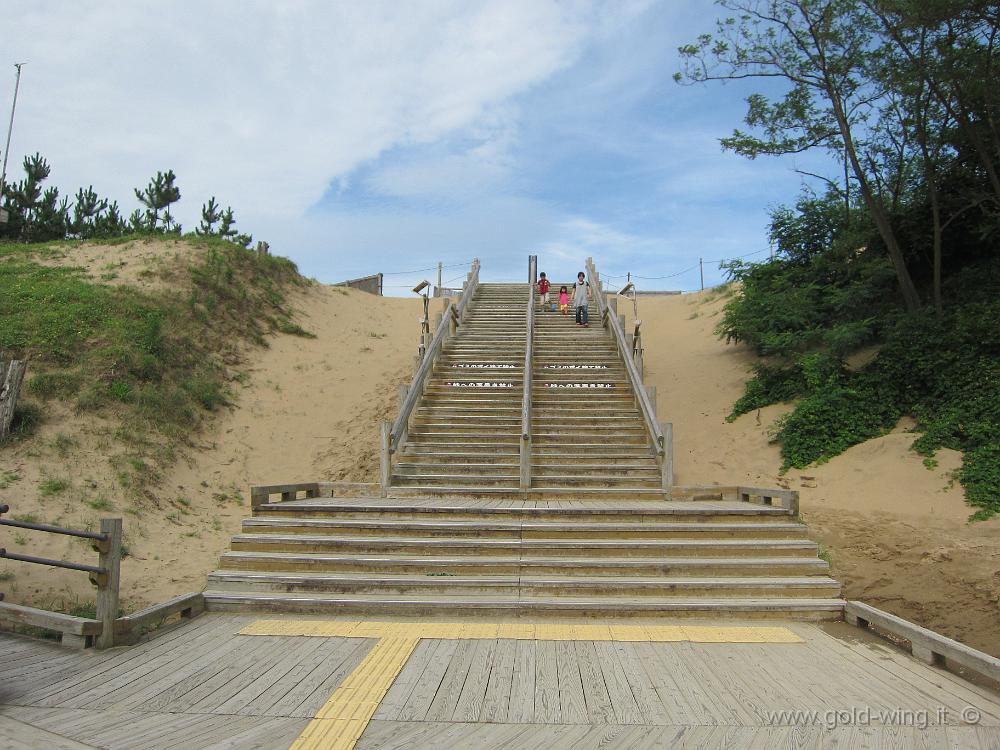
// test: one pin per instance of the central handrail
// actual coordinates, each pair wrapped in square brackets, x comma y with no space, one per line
[427,364]
[645,405]
[525,441]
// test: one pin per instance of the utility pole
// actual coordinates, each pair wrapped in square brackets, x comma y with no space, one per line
[10,128]
[701,269]
[440,268]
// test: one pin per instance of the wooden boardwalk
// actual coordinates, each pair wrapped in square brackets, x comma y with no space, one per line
[202,685]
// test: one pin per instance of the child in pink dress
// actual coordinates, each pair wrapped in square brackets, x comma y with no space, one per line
[564,300]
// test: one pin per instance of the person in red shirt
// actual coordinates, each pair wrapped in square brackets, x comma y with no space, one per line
[543,291]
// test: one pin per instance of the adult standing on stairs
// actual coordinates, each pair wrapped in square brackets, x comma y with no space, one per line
[581,298]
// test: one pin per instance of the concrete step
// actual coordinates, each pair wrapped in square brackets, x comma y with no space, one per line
[488,564]
[498,479]
[524,585]
[506,529]
[776,608]
[359,544]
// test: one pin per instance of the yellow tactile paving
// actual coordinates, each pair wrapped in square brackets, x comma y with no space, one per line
[343,718]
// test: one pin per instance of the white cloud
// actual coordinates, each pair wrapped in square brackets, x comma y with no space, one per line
[265,104]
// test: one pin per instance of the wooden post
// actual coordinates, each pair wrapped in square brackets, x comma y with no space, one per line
[11,376]
[525,483]
[404,391]
[668,454]
[385,458]
[107,582]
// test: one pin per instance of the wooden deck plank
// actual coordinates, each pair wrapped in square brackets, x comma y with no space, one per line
[289,658]
[469,706]
[647,701]
[169,670]
[521,703]
[548,708]
[248,681]
[406,681]
[261,705]
[104,667]
[306,698]
[595,690]
[623,702]
[496,701]
[429,682]
[442,707]
[572,701]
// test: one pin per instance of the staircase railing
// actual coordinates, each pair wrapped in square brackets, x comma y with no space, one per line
[394,433]
[661,436]
[525,441]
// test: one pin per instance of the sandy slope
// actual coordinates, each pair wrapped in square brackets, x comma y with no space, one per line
[895,531]
[308,410]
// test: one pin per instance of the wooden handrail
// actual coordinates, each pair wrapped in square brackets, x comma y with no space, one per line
[525,442]
[645,405]
[416,388]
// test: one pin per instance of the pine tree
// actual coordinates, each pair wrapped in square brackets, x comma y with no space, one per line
[210,215]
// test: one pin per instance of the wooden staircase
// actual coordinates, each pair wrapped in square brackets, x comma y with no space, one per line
[394,556]
[460,532]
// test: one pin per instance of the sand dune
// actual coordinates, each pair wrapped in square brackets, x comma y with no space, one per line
[895,531]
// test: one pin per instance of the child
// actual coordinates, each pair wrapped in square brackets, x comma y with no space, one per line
[581,297]
[563,300]
[543,290]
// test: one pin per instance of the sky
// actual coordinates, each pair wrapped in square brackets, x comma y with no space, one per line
[362,137]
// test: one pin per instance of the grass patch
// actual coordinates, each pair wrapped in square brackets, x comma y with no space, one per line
[55,384]
[101,503]
[294,329]
[53,486]
[7,478]
[27,418]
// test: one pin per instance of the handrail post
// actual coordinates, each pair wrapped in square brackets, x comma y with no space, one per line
[667,459]
[385,457]
[108,581]
[525,442]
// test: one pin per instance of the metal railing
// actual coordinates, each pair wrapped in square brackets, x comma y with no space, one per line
[525,442]
[392,435]
[661,443]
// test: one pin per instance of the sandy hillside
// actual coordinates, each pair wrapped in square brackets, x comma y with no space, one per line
[895,531]
[305,409]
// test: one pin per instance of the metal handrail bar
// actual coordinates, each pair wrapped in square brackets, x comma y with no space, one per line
[645,405]
[54,563]
[427,364]
[54,529]
[525,442]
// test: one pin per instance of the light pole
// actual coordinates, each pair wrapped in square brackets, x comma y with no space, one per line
[10,128]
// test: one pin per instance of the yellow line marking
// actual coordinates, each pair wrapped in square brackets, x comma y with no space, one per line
[524,631]
[344,717]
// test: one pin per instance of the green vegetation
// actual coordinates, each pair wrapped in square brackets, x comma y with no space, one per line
[898,256]
[156,362]
[52,486]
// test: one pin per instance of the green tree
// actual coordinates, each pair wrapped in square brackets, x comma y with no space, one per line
[87,209]
[159,195]
[821,48]
[210,216]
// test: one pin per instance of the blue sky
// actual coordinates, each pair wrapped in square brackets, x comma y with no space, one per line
[383,136]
